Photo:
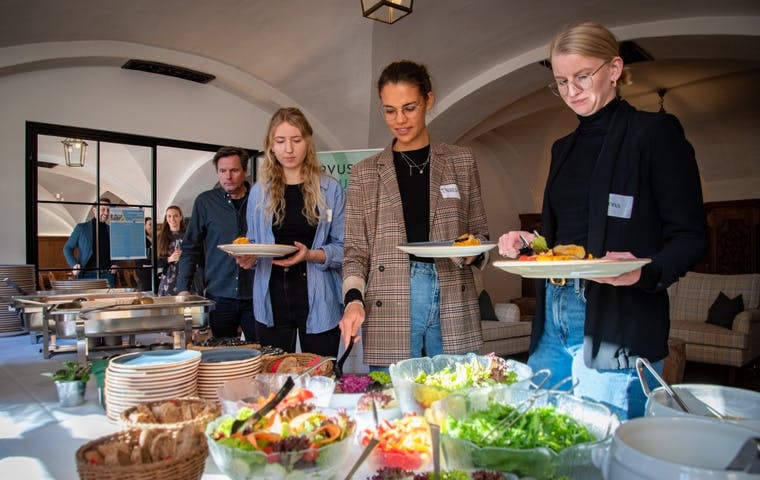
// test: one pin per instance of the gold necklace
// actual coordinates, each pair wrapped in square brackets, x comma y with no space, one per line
[411,163]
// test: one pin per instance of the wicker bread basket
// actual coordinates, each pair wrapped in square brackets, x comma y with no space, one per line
[294,363]
[191,410]
[187,466]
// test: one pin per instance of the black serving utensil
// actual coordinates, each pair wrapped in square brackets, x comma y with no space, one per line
[338,368]
[526,248]
[238,425]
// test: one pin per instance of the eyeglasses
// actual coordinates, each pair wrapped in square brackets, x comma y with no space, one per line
[581,82]
[408,110]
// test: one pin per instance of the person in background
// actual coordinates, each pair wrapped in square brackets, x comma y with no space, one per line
[169,249]
[93,248]
[145,273]
[294,203]
[413,191]
[624,184]
[218,218]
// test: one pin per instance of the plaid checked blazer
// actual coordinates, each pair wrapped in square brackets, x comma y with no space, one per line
[373,264]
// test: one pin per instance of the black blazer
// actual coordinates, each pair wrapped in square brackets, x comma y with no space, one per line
[646,160]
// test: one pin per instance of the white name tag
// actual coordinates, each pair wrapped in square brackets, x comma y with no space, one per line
[450,191]
[329,214]
[620,206]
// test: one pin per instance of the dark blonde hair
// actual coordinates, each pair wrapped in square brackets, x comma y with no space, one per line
[165,237]
[589,39]
[272,177]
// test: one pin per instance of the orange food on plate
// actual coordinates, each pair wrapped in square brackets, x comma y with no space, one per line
[560,253]
[466,239]
[241,240]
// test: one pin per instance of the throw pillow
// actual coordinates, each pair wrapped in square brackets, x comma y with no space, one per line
[486,307]
[723,310]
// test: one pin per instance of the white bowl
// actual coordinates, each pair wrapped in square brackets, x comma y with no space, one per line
[686,447]
[739,405]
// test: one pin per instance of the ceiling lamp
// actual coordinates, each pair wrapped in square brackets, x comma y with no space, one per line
[661,92]
[386,11]
[74,151]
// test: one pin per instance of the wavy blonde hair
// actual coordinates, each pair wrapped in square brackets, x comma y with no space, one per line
[273,178]
[590,39]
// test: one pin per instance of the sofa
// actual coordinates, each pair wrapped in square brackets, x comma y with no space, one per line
[690,302]
[504,333]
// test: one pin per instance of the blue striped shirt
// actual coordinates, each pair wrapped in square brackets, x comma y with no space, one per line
[324,280]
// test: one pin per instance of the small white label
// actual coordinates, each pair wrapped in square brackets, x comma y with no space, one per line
[329,214]
[450,191]
[620,206]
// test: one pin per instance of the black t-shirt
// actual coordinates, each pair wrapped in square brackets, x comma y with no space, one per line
[570,189]
[415,194]
[295,227]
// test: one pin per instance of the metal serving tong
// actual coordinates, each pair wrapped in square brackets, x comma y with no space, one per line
[373,441]
[239,425]
[338,368]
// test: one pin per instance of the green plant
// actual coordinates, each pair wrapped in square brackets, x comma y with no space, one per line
[72,371]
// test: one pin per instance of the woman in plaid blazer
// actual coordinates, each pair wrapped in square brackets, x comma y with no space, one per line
[415,190]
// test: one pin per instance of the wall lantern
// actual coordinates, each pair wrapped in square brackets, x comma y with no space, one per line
[74,151]
[386,11]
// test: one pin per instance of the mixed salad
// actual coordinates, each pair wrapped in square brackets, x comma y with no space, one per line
[351,383]
[396,473]
[472,373]
[404,443]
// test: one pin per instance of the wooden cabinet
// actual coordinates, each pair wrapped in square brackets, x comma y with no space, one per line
[733,235]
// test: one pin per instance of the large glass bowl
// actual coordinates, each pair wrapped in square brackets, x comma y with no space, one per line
[233,392]
[574,462]
[240,464]
[416,397]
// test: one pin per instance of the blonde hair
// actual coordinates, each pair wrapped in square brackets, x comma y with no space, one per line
[589,39]
[272,177]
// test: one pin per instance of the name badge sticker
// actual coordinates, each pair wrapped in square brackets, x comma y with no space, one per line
[620,206]
[329,214]
[450,191]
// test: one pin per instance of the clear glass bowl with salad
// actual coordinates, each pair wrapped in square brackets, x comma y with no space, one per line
[419,382]
[532,433]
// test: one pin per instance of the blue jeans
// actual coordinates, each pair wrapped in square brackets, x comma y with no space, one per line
[229,314]
[425,314]
[560,350]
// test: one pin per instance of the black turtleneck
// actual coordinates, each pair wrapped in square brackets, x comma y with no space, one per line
[569,191]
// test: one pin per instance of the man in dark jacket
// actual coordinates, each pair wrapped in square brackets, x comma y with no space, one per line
[219,216]
[88,252]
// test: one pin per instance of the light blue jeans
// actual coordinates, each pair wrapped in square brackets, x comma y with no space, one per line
[560,350]
[425,313]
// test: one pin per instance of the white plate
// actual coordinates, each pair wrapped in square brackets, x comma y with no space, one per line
[444,249]
[258,249]
[571,268]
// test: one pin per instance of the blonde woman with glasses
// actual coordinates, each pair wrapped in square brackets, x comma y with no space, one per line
[415,190]
[624,184]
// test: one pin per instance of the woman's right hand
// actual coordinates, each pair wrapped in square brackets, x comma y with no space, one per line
[510,243]
[174,257]
[351,323]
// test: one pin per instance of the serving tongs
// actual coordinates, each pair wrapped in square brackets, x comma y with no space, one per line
[693,405]
[747,459]
[372,443]
[251,421]
[338,368]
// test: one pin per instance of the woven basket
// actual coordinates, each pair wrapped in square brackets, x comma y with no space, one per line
[188,467]
[294,363]
[214,410]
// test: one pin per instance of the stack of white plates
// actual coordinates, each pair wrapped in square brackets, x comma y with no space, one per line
[150,376]
[222,364]
[23,276]
[79,284]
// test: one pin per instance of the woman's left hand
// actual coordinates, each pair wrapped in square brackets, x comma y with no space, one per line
[625,279]
[301,255]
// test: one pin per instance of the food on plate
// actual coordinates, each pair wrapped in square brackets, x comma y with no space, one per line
[466,239]
[395,473]
[351,383]
[403,443]
[558,253]
[537,427]
[241,241]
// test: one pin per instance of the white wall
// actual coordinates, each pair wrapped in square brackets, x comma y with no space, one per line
[115,100]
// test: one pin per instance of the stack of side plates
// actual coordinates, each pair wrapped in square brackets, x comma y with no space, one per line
[149,376]
[23,276]
[222,364]
[79,284]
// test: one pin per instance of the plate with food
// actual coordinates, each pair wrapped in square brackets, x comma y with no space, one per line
[241,246]
[594,268]
[463,246]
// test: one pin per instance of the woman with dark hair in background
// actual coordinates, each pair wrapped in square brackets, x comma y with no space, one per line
[169,249]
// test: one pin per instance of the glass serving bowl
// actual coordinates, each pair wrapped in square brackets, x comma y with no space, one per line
[233,392]
[240,464]
[574,462]
[416,397]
